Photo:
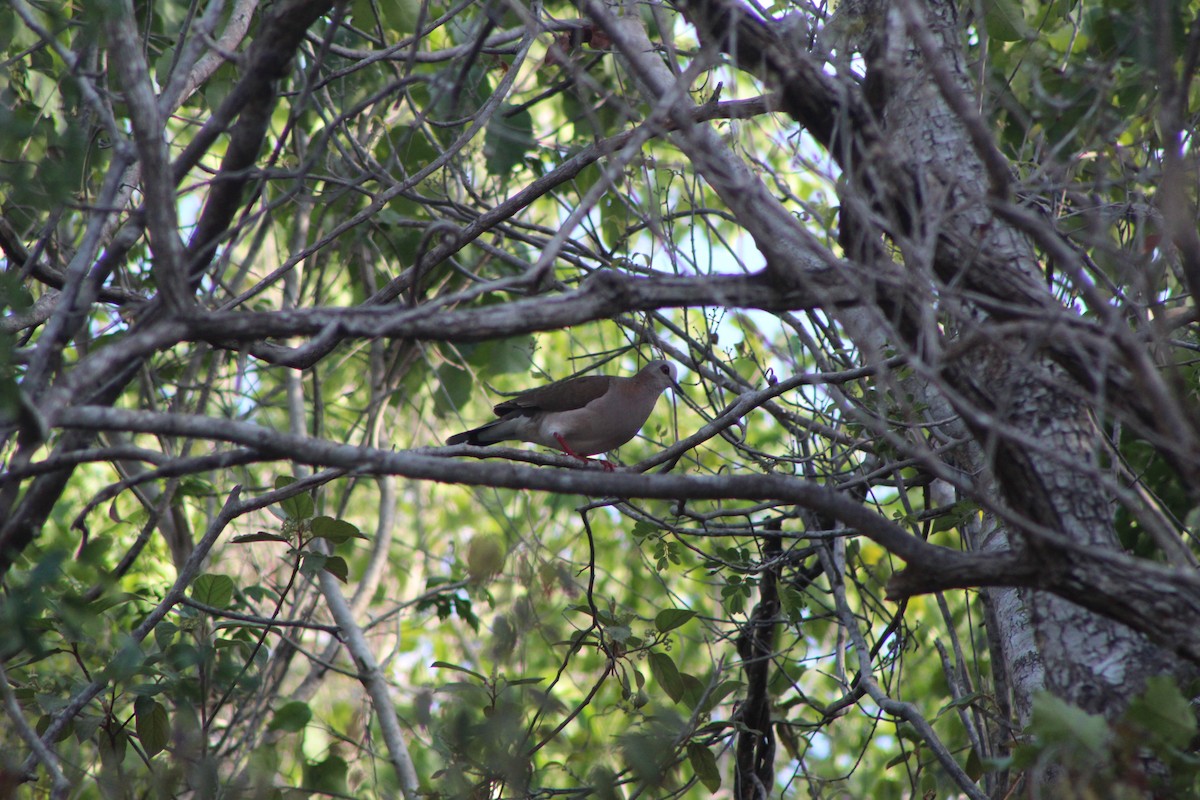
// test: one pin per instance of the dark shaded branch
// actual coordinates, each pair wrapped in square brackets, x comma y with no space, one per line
[433,464]
[251,101]
[754,770]
[1160,601]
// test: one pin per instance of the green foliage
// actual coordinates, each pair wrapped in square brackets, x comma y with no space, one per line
[671,618]
[213,590]
[528,654]
[1147,745]
[292,717]
[509,137]
[153,725]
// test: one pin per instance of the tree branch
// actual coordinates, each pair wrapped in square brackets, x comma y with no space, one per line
[1158,600]
[148,133]
[372,679]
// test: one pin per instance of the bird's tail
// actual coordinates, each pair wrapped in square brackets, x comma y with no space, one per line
[476,436]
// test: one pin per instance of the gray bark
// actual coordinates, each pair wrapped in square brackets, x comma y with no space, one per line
[921,173]
[1087,659]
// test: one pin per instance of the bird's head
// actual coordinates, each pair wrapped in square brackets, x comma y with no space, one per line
[660,374]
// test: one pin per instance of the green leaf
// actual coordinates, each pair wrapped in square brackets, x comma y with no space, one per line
[671,618]
[500,356]
[618,633]
[261,536]
[614,220]
[164,633]
[526,681]
[153,724]
[312,563]
[112,748]
[693,689]
[1164,712]
[400,15]
[213,590]
[1005,20]
[335,531]
[412,148]
[960,702]
[291,717]
[337,567]
[455,391]
[1058,722]
[643,529]
[327,777]
[974,766]
[126,662]
[723,690]
[298,507]
[457,668]
[508,138]
[86,726]
[704,764]
[667,675]
[195,487]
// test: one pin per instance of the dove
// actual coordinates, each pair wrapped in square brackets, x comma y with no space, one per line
[581,416]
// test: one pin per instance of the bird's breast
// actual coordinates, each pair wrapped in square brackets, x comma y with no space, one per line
[602,425]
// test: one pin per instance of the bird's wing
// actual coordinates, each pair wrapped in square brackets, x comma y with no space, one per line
[566,395]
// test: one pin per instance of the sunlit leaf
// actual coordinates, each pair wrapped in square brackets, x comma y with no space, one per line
[213,590]
[671,618]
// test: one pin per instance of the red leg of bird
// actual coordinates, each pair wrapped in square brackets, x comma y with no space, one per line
[567,449]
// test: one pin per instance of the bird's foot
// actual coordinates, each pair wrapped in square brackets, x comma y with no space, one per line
[608,467]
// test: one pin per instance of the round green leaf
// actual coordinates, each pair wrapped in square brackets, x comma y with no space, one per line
[213,590]
[291,717]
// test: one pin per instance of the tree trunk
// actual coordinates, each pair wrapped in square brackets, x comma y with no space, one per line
[1033,436]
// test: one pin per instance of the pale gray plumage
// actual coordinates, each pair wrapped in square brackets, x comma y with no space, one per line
[581,416]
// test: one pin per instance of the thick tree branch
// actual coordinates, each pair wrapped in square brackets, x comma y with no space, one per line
[603,296]
[148,132]
[977,255]
[447,246]
[433,464]
[1160,601]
